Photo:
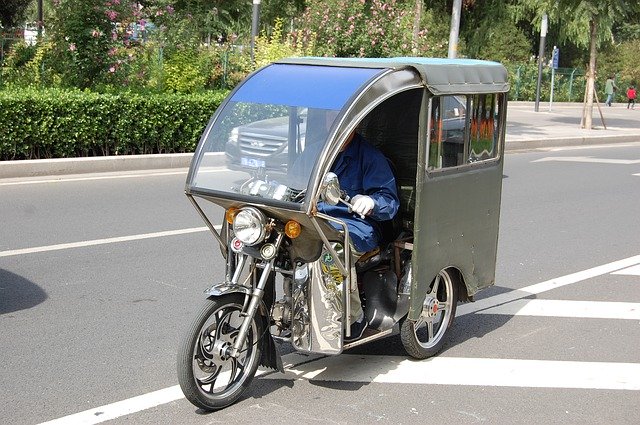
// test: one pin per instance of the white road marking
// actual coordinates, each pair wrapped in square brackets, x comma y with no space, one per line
[400,370]
[632,271]
[150,400]
[82,244]
[121,408]
[589,147]
[588,159]
[64,179]
[568,308]
[470,371]
[545,286]
[434,371]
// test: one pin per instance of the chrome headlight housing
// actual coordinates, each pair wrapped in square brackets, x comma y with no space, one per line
[249,226]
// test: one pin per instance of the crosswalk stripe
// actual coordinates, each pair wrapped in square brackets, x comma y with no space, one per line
[547,285]
[568,308]
[469,371]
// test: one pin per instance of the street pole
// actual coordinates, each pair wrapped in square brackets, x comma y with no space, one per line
[255,20]
[40,19]
[543,36]
[455,27]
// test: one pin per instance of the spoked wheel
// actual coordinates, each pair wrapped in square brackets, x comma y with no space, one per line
[424,337]
[208,376]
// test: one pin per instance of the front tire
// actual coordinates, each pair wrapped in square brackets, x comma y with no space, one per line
[209,378]
[424,338]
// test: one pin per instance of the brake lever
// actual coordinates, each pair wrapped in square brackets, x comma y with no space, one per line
[350,206]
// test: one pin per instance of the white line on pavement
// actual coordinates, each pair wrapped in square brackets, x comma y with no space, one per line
[438,370]
[400,370]
[153,399]
[546,286]
[121,408]
[64,179]
[631,271]
[568,308]
[470,371]
[102,241]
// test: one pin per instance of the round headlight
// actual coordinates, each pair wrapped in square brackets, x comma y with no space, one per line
[249,226]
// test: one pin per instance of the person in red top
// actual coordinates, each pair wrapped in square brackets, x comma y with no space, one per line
[631,97]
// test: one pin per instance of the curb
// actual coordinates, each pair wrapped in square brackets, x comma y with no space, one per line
[110,164]
[104,164]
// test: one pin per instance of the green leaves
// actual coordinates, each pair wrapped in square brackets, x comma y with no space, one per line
[61,123]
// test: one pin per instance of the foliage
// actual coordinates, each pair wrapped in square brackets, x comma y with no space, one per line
[59,123]
[622,61]
[93,41]
[12,12]
[278,45]
[572,17]
[374,28]
[25,66]
[492,33]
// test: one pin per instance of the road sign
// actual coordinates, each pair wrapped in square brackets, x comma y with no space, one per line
[556,57]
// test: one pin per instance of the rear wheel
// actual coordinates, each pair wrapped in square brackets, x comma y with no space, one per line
[208,376]
[424,338]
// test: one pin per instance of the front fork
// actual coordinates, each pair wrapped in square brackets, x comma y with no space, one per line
[254,297]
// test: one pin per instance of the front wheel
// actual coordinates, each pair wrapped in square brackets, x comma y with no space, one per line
[424,338]
[209,377]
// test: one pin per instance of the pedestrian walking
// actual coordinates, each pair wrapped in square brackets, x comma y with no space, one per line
[609,88]
[631,97]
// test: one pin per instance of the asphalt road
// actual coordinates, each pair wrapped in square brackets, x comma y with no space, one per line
[87,325]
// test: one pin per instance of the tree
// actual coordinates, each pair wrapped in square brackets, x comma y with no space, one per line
[12,12]
[588,23]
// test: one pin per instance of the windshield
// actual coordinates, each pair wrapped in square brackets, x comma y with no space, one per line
[267,139]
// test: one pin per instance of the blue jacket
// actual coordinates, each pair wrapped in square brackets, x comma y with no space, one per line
[363,170]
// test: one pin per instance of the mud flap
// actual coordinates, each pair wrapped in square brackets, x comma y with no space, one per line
[270,354]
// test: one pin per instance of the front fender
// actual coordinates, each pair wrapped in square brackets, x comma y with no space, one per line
[225,288]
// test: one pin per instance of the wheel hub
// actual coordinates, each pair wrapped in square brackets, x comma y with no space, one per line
[221,350]
[431,307]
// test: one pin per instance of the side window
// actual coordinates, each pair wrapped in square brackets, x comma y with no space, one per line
[463,130]
[447,131]
[483,137]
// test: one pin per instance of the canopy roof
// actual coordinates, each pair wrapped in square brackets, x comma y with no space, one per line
[441,76]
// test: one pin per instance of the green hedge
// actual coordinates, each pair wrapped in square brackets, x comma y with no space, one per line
[57,123]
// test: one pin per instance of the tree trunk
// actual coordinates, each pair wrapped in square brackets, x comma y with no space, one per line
[416,27]
[591,77]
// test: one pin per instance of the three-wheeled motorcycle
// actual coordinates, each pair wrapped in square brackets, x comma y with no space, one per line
[265,158]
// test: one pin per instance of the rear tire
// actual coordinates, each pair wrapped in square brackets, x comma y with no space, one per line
[424,338]
[209,378]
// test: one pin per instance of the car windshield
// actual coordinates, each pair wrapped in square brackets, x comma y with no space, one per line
[267,139]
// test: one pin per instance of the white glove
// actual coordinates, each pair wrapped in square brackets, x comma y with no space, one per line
[362,204]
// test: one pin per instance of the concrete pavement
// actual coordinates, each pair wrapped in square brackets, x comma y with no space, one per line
[526,129]
[560,125]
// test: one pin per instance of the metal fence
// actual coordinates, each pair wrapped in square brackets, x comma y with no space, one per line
[568,83]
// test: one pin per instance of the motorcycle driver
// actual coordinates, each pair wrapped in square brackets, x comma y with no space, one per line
[366,176]
[364,173]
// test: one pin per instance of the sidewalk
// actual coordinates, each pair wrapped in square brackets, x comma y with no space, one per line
[526,129]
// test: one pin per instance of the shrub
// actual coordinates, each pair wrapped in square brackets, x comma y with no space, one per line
[60,123]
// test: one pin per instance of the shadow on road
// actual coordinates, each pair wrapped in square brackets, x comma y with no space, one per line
[18,293]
